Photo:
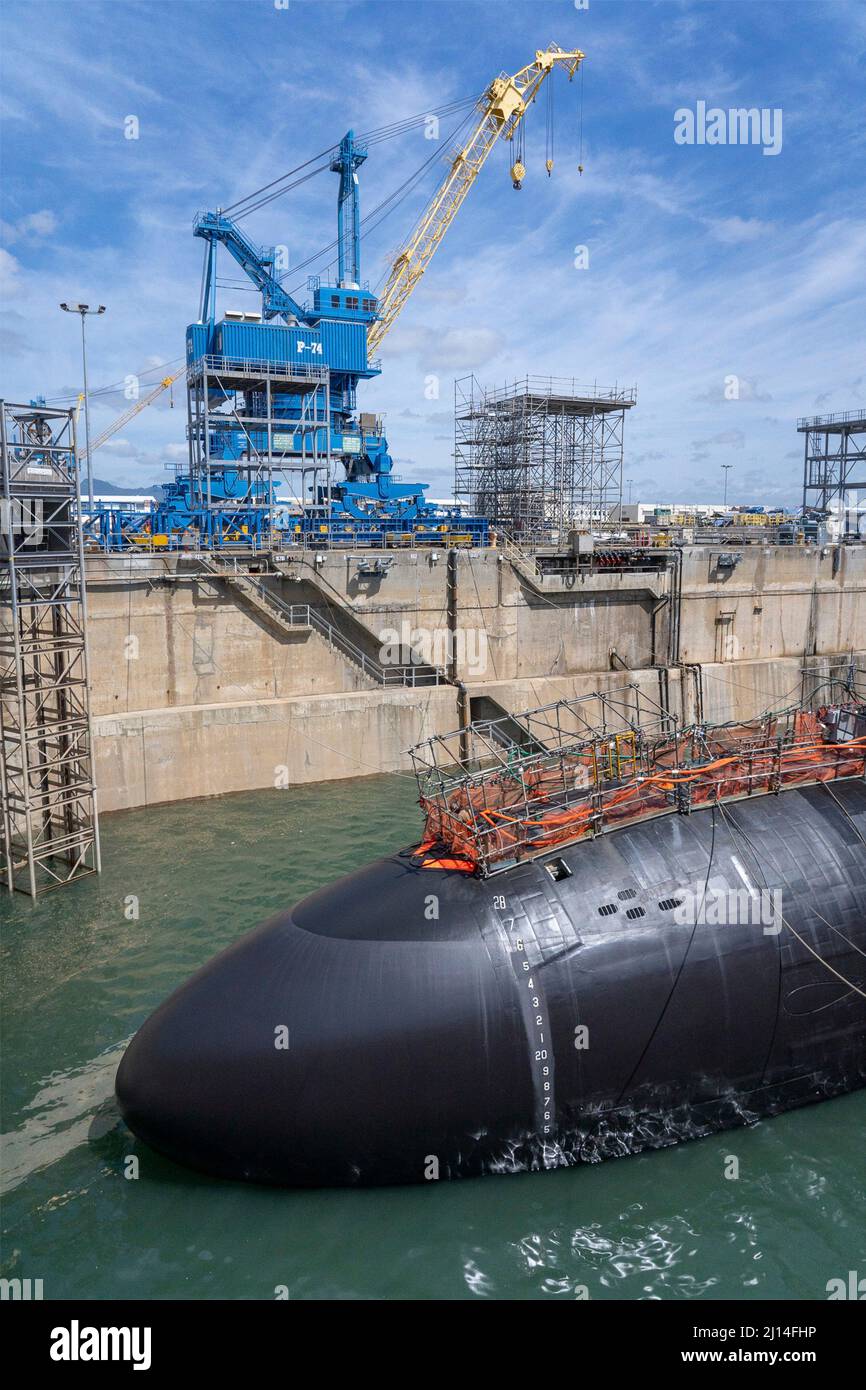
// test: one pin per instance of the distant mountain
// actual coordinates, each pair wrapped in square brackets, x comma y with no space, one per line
[106,489]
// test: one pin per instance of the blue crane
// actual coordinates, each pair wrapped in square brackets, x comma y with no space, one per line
[255,262]
[331,333]
[276,389]
[348,160]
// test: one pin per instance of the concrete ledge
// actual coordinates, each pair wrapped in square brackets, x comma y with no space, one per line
[152,756]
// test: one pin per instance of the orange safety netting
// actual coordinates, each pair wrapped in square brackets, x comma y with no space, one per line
[511,814]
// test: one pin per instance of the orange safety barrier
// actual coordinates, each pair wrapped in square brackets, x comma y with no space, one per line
[504,816]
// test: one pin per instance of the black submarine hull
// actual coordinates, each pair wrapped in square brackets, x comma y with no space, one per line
[405,1023]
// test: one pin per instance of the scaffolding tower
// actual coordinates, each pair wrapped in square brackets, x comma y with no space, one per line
[241,400]
[834,468]
[50,833]
[540,455]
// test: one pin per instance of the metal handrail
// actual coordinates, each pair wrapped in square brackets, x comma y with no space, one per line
[842,417]
[526,565]
[561,386]
[319,579]
[252,366]
[496,807]
[420,675]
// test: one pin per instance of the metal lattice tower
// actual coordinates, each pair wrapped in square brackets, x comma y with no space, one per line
[834,468]
[540,455]
[50,830]
[227,394]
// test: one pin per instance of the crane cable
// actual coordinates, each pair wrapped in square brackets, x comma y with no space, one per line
[164,368]
[262,202]
[548,132]
[324,154]
[518,168]
[277,187]
[378,214]
[580,125]
[408,187]
[375,137]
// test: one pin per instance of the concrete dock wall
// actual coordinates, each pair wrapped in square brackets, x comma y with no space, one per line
[194,693]
[151,756]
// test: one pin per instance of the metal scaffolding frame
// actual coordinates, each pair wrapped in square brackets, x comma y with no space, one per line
[499,791]
[834,466]
[50,828]
[539,455]
[227,394]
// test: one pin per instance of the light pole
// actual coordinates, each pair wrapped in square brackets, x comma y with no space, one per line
[84,310]
[628,483]
[727,467]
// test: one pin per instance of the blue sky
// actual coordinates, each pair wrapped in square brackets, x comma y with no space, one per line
[706,262]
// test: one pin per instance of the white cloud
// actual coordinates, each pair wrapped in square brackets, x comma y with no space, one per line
[9,272]
[450,350]
[119,446]
[733,231]
[37,224]
[734,388]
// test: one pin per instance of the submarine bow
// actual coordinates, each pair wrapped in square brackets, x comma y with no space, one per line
[405,1023]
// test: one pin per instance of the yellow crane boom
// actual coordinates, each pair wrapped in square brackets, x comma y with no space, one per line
[502,107]
[133,410]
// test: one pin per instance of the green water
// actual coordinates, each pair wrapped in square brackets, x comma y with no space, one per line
[78,980]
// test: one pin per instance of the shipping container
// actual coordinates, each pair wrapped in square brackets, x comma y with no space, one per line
[345,345]
[342,346]
[268,342]
[196,342]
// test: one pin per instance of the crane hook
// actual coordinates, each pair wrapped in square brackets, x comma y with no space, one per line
[548,164]
[518,171]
